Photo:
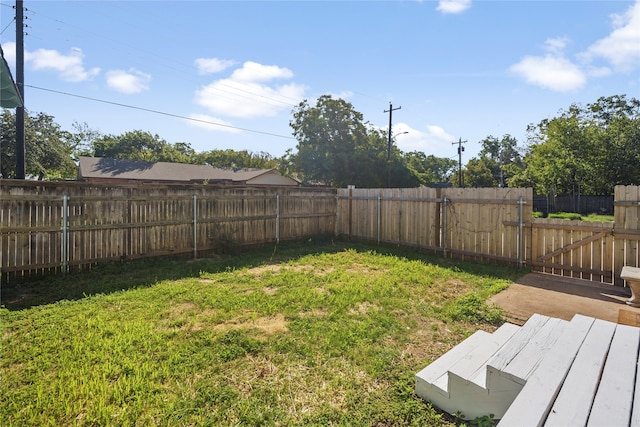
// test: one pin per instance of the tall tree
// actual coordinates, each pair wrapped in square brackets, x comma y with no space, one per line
[237,159]
[336,147]
[502,157]
[586,149]
[430,169]
[49,149]
[140,145]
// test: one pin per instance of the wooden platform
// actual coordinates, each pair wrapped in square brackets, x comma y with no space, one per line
[548,372]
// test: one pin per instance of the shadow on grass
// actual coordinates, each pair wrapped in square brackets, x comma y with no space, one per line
[118,276]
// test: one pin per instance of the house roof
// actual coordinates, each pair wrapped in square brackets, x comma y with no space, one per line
[102,168]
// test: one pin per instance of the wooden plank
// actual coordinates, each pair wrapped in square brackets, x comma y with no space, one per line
[526,333]
[533,403]
[532,354]
[439,368]
[573,404]
[613,402]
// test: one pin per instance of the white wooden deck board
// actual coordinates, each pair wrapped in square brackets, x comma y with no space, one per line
[613,403]
[531,406]
[476,360]
[573,404]
[528,359]
[519,341]
[505,334]
[439,368]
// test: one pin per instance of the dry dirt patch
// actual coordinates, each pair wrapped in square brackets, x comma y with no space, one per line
[268,325]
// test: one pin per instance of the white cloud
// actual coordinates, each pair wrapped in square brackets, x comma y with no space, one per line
[453,6]
[213,65]
[621,48]
[433,140]
[254,72]
[9,50]
[246,93]
[345,94]
[552,71]
[132,81]
[211,123]
[69,67]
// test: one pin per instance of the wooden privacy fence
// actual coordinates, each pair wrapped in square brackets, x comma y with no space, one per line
[53,227]
[48,227]
[471,223]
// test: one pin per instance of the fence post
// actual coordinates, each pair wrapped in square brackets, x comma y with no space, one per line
[195,226]
[277,218]
[378,217]
[65,234]
[520,232]
[443,238]
[337,217]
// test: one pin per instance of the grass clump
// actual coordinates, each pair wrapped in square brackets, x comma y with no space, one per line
[300,335]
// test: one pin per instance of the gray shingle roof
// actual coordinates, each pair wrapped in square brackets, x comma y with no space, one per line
[106,168]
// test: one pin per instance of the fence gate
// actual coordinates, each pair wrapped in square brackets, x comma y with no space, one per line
[573,248]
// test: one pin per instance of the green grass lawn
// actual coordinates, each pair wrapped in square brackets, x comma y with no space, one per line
[315,333]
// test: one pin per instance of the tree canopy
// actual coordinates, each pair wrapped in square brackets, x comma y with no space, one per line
[48,148]
[587,149]
[337,147]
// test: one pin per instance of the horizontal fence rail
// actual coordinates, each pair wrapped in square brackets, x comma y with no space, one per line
[48,228]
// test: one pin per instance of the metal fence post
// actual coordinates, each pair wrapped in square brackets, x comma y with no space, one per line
[520,232]
[378,217]
[195,226]
[443,239]
[277,218]
[65,234]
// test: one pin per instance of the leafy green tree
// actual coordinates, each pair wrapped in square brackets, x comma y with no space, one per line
[502,157]
[48,148]
[478,173]
[237,159]
[337,148]
[430,169]
[140,145]
[587,149]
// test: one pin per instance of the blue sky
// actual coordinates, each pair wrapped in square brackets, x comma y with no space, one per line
[457,68]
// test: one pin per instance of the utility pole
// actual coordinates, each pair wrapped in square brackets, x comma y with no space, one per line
[20,146]
[390,111]
[460,150]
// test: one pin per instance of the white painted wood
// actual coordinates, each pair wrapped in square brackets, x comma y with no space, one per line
[438,368]
[528,359]
[630,273]
[614,399]
[476,360]
[432,383]
[533,403]
[506,334]
[573,404]
[519,341]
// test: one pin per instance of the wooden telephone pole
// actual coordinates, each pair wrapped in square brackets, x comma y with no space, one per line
[390,111]
[20,145]
[460,150]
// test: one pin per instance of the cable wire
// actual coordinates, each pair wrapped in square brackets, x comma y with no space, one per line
[158,112]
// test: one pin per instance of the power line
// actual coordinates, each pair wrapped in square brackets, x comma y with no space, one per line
[234,91]
[159,112]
